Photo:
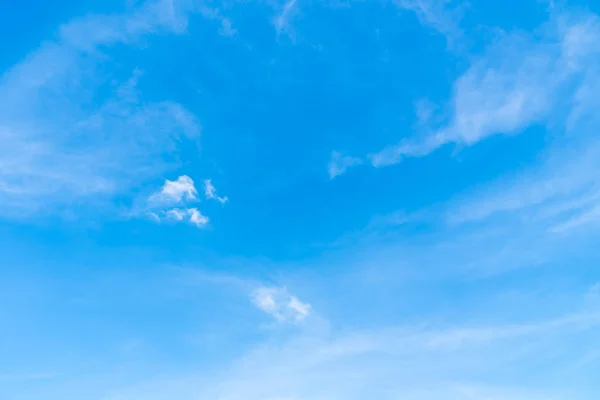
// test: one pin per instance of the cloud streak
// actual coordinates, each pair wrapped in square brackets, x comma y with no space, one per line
[280,304]
[340,163]
[518,82]
[438,15]
[458,363]
[211,193]
[55,114]
[282,21]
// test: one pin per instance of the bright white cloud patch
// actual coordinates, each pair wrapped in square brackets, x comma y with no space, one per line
[197,218]
[211,193]
[280,304]
[176,191]
[340,162]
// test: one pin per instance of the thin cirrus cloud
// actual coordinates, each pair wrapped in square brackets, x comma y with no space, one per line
[56,113]
[419,361]
[280,304]
[394,326]
[340,163]
[211,192]
[515,83]
[563,191]
[282,21]
[442,16]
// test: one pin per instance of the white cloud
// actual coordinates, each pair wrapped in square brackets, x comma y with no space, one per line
[562,193]
[438,15]
[175,191]
[441,16]
[70,132]
[280,304]
[176,214]
[192,215]
[565,184]
[516,83]
[425,111]
[211,193]
[339,163]
[180,191]
[282,21]
[581,219]
[401,361]
[197,218]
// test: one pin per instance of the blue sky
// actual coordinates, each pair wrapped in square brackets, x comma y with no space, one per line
[301,200]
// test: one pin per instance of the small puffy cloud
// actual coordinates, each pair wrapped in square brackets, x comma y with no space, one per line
[211,193]
[339,163]
[192,215]
[176,191]
[280,304]
[197,218]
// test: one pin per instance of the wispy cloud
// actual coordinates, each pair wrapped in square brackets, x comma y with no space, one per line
[463,365]
[564,183]
[280,304]
[56,113]
[561,192]
[517,82]
[340,162]
[211,193]
[213,13]
[441,15]
[191,215]
[282,21]
[197,218]
[176,214]
[274,300]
